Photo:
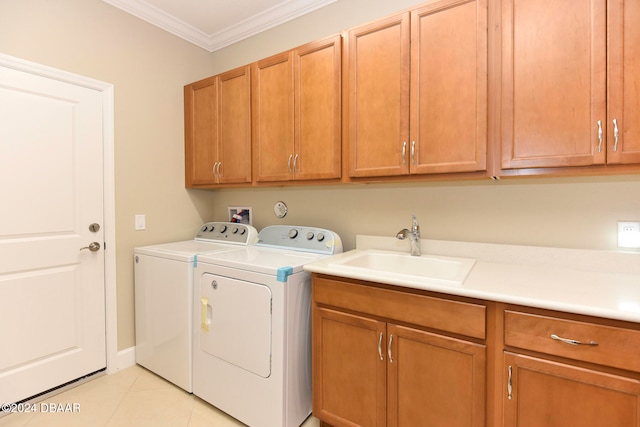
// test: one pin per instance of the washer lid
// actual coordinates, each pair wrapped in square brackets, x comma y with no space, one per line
[260,259]
[182,251]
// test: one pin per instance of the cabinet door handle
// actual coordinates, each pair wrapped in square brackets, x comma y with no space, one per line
[289,163]
[600,135]
[218,170]
[380,347]
[572,342]
[413,152]
[404,153]
[295,163]
[389,348]
[213,169]
[510,383]
[616,135]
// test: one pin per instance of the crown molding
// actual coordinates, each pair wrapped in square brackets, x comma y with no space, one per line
[279,14]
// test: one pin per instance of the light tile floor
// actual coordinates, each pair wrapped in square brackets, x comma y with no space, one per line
[131,397]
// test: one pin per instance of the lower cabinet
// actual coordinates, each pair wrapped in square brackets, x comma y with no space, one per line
[570,372]
[369,370]
[551,394]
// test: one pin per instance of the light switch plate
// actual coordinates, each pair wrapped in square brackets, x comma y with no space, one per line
[629,234]
[140,222]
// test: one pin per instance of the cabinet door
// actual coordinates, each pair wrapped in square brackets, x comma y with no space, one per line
[624,81]
[435,380]
[378,88]
[449,87]
[201,131]
[317,109]
[272,117]
[553,83]
[234,109]
[550,394]
[349,369]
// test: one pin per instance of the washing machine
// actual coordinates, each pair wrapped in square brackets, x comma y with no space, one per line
[164,297]
[252,326]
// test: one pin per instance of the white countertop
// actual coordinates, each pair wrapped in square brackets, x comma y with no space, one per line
[596,283]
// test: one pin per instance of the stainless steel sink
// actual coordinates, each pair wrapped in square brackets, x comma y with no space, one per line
[427,268]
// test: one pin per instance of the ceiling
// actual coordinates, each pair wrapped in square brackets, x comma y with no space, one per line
[214,24]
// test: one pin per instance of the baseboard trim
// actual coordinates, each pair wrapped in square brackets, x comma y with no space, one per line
[126,358]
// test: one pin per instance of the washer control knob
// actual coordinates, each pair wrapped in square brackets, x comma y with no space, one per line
[293,233]
[223,228]
[310,235]
[235,230]
[243,231]
[205,228]
[320,237]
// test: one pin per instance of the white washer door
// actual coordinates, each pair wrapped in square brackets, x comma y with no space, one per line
[235,322]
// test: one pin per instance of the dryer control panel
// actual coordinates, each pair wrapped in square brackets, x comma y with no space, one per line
[299,238]
[227,232]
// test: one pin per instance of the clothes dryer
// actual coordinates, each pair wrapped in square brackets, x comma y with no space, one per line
[252,326]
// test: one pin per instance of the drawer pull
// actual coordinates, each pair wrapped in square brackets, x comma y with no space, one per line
[572,342]
[380,347]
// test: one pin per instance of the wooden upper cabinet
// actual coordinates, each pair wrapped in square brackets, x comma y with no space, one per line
[318,119]
[418,91]
[449,87]
[378,88]
[234,140]
[201,131]
[624,80]
[218,130]
[553,83]
[272,106]
[296,113]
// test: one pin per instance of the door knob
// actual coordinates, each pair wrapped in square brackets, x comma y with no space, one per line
[93,246]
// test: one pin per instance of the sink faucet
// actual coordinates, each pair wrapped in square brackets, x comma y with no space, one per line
[414,236]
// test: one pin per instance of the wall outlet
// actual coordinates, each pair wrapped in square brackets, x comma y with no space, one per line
[629,234]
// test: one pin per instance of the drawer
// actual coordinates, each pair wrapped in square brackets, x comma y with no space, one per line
[615,347]
[438,313]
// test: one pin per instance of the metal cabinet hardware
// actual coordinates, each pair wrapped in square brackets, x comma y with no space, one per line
[404,153]
[413,152]
[389,348]
[616,135]
[510,384]
[600,135]
[380,347]
[295,163]
[572,342]
[289,163]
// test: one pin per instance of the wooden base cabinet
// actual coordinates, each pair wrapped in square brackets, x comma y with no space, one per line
[569,372]
[551,394]
[369,370]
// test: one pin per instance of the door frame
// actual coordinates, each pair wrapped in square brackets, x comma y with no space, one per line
[107,89]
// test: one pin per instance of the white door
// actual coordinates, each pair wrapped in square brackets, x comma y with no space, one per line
[52,292]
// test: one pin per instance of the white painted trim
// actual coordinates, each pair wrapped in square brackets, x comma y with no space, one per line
[107,89]
[126,358]
[279,14]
